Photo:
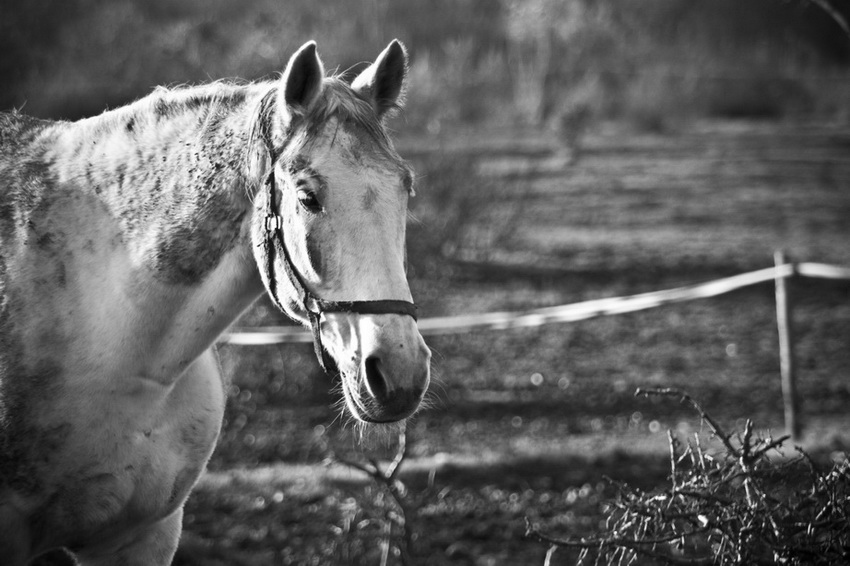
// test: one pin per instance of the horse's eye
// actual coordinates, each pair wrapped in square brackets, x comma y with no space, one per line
[308,200]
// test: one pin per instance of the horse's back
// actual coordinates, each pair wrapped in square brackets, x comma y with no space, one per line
[22,188]
[20,147]
[27,379]
[18,130]
[23,174]
[20,442]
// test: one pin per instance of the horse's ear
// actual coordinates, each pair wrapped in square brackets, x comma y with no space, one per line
[302,80]
[383,82]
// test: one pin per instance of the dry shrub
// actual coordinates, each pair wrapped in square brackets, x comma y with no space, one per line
[742,504]
[391,503]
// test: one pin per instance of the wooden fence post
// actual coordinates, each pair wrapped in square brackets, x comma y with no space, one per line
[784,321]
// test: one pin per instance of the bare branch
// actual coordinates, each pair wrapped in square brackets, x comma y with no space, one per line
[772,445]
[387,480]
[401,454]
[645,545]
[738,507]
[685,398]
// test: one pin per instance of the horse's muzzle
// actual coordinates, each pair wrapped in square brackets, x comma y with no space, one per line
[393,373]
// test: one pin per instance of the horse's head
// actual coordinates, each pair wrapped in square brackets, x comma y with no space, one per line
[329,228]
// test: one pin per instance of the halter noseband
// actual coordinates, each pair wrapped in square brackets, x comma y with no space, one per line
[276,246]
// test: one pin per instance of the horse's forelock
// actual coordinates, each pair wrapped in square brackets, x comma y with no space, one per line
[271,136]
[336,101]
[339,101]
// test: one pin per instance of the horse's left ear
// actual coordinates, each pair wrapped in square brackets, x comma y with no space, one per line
[383,82]
[302,80]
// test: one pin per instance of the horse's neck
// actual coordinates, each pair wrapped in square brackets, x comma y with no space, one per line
[169,163]
[171,176]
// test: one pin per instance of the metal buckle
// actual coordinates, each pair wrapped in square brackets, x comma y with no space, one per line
[273,222]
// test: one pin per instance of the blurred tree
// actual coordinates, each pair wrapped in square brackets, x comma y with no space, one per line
[475,60]
[554,46]
[28,36]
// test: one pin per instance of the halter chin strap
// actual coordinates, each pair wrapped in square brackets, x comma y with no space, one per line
[275,245]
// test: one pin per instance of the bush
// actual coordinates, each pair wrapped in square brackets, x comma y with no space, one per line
[745,504]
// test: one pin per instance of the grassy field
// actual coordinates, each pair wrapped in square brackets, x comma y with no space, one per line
[529,423]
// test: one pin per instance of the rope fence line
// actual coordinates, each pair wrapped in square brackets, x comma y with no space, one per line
[267,335]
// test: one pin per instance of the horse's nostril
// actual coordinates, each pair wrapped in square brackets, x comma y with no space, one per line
[375,379]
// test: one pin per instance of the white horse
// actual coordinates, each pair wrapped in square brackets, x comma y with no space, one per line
[131,240]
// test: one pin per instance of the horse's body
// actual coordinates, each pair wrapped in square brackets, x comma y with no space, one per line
[128,244]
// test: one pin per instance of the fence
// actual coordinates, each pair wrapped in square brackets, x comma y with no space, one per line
[782,270]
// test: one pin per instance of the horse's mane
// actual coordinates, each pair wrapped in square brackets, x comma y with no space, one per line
[337,101]
[263,130]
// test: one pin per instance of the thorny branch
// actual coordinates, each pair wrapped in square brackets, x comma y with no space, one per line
[737,507]
[646,546]
[685,398]
[386,478]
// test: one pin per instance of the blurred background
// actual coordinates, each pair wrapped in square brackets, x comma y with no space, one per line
[473,61]
[566,150]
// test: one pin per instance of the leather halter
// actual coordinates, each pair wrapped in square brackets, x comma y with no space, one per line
[275,245]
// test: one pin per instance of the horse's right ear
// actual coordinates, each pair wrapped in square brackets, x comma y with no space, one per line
[302,80]
[383,82]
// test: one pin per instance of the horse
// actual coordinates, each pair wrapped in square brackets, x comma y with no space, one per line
[131,240]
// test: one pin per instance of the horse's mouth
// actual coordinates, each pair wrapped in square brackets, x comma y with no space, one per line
[353,396]
[365,408]
[386,373]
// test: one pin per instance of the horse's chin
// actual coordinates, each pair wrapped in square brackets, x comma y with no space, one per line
[353,400]
[361,409]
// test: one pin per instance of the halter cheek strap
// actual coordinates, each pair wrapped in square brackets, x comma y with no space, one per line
[275,247]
